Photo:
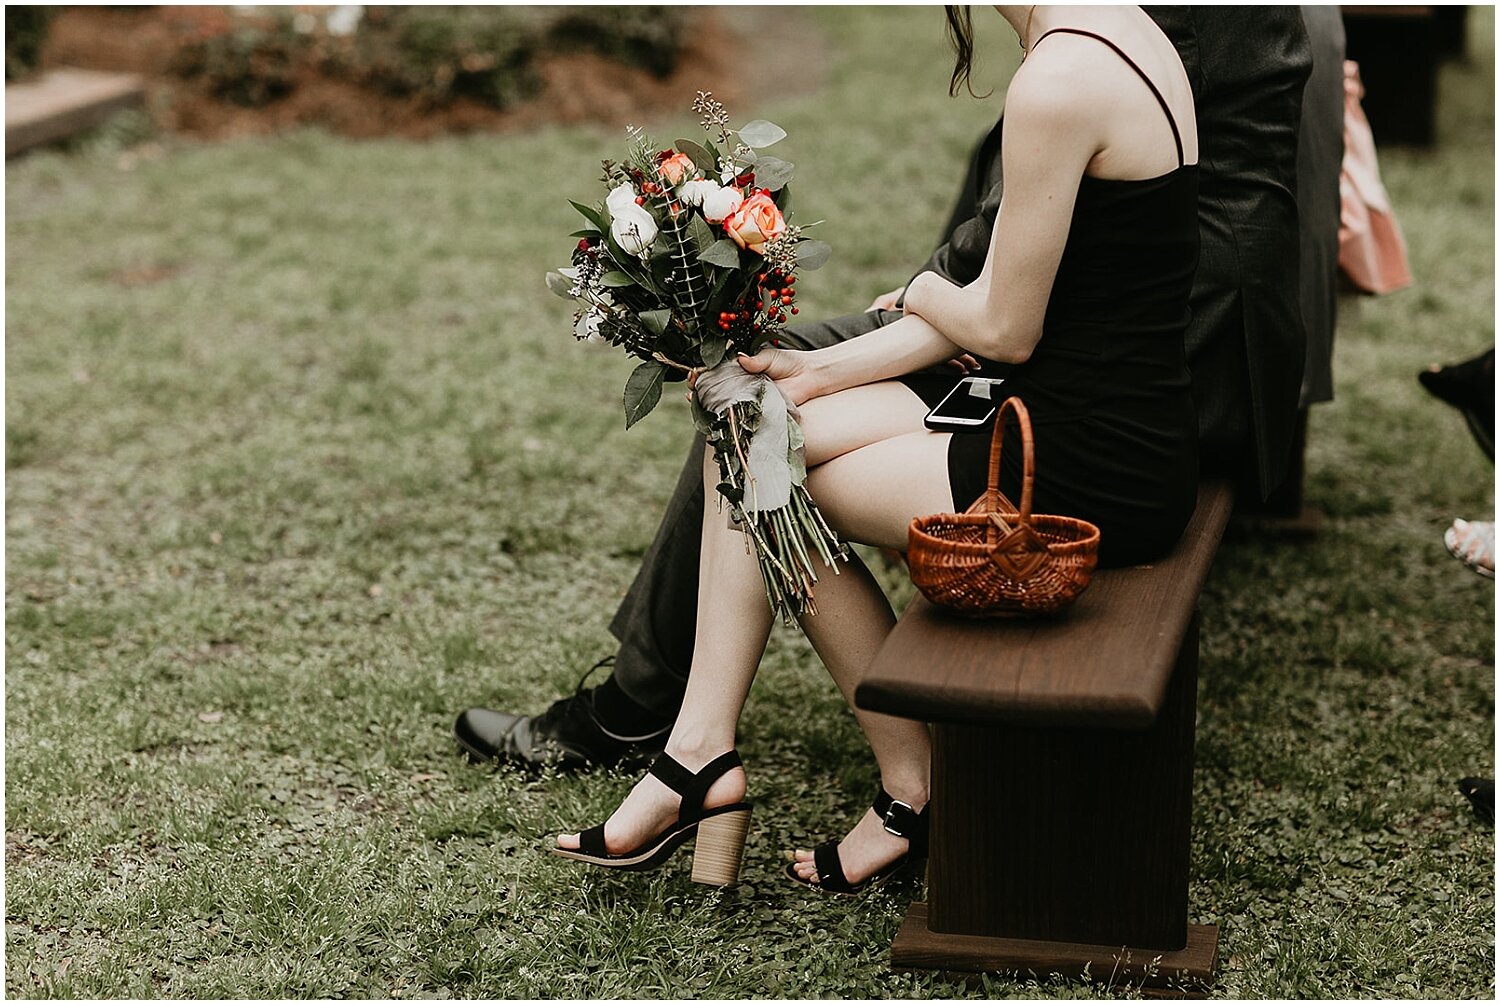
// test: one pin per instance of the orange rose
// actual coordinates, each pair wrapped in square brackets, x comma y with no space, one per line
[754,222]
[676,167]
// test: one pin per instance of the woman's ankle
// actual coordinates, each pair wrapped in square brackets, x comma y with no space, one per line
[694,749]
[911,790]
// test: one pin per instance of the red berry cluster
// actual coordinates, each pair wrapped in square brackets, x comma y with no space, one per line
[777,288]
[775,300]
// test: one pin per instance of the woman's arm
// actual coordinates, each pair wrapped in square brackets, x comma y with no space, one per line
[904,346]
[1052,131]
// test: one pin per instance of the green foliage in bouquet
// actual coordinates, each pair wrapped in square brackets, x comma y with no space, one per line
[689,260]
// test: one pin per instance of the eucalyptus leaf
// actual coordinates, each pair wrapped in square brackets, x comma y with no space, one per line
[720,281]
[722,252]
[560,284]
[656,321]
[643,391]
[773,172]
[813,254]
[761,133]
[630,266]
[797,462]
[590,214]
[616,279]
[713,351]
[700,157]
[701,418]
[699,233]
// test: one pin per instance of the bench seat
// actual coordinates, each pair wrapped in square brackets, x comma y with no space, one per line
[1061,774]
[1103,662]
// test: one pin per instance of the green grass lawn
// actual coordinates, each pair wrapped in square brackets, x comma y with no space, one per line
[302,460]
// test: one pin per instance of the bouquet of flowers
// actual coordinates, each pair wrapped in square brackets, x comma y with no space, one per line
[689,260]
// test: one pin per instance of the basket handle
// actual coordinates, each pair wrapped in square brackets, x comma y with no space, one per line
[1028,473]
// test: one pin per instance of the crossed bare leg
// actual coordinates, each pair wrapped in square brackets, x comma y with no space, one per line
[872,467]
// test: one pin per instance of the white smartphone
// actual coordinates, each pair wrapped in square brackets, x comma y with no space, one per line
[970,405]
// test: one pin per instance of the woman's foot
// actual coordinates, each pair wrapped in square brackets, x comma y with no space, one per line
[652,807]
[865,851]
[1473,544]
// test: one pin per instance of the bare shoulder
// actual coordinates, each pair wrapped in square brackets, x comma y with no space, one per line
[1072,81]
[1055,89]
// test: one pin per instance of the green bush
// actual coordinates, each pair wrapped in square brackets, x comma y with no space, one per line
[25,31]
[254,63]
[488,53]
[437,53]
[441,53]
[648,37]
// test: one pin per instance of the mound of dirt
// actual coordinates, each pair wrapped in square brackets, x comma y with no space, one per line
[740,67]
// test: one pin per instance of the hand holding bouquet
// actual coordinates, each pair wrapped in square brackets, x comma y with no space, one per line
[689,260]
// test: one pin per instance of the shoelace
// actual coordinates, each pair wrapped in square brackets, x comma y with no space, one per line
[584,698]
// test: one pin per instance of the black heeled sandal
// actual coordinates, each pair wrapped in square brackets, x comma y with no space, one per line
[719,833]
[900,819]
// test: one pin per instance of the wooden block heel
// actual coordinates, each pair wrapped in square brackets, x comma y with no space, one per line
[719,832]
[720,848]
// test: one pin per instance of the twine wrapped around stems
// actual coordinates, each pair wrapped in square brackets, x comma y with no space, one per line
[757,441]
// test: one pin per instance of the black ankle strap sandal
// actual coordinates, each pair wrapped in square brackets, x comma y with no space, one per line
[900,819]
[719,832]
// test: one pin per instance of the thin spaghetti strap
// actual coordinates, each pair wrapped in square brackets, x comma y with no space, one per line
[1166,109]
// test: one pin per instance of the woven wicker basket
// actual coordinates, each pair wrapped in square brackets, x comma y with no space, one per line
[993,561]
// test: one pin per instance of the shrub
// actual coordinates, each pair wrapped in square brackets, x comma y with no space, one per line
[25,31]
[437,53]
[488,53]
[441,53]
[648,37]
[253,63]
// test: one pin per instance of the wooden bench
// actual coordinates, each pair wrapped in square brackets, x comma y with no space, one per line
[1062,775]
[63,102]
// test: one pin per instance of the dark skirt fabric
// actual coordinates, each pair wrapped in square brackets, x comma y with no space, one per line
[1137,488]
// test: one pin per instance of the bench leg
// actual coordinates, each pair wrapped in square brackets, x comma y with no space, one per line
[1056,847]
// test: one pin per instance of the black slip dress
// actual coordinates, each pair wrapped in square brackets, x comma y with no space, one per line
[1107,385]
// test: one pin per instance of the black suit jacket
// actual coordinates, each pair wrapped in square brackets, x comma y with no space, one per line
[1246,343]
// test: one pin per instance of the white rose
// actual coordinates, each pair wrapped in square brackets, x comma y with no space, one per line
[720,203]
[692,193]
[633,230]
[619,198]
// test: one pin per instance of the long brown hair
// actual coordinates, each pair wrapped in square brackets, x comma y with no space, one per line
[961,35]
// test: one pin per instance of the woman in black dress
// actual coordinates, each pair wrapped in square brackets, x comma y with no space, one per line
[1084,302]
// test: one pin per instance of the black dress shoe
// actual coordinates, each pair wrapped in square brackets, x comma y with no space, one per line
[1468,386]
[568,736]
[1481,793]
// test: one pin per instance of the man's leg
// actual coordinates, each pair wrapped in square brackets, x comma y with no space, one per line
[631,711]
